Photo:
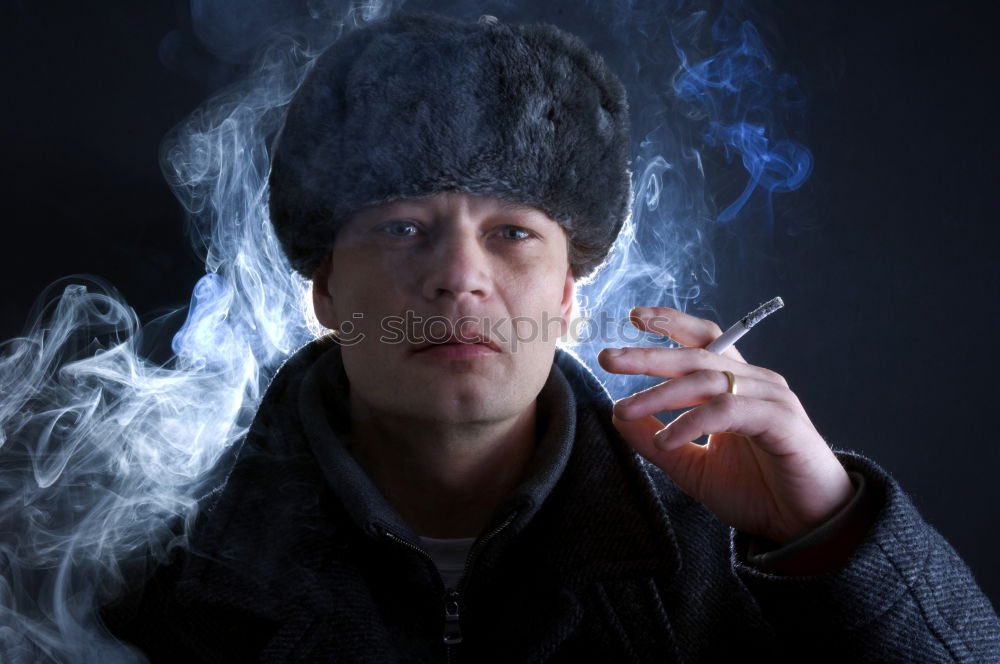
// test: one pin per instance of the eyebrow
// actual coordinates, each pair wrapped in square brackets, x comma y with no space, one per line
[509,207]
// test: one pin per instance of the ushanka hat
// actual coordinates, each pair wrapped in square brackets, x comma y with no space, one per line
[419,104]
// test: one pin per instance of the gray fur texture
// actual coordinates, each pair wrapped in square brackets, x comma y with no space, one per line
[420,104]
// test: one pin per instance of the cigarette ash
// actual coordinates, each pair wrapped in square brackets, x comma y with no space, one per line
[762,312]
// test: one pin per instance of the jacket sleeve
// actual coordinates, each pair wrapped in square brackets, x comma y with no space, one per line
[904,595]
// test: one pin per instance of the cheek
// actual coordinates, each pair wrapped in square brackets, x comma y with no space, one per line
[535,306]
[555,285]
[355,285]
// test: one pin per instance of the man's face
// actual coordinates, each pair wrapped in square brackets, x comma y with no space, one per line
[449,306]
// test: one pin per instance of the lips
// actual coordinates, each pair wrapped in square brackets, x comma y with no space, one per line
[459,340]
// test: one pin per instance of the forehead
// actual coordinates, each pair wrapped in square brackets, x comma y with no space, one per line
[454,203]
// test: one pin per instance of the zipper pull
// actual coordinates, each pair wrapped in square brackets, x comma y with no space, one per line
[452,629]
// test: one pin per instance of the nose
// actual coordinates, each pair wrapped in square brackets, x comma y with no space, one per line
[458,267]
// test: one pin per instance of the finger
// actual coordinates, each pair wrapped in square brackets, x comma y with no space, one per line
[676,362]
[683,328]
[733,413]
[639,434]
[695,389]
[683,464]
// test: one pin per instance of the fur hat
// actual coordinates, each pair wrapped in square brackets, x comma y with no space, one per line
[419,104]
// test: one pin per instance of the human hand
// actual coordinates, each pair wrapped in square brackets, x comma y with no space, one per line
[765,470]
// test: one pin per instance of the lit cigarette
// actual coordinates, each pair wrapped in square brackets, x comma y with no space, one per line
[743,325]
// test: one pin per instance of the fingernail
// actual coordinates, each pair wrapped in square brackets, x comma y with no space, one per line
[638,314]
[621,405]
[613,352]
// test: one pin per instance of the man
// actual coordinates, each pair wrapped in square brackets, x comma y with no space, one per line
[431,482]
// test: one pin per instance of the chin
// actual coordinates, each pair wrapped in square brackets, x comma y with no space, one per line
[456,405]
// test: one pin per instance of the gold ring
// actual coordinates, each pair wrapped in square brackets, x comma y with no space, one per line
[732,382]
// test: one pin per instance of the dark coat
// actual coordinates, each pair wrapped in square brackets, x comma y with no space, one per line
[597,557]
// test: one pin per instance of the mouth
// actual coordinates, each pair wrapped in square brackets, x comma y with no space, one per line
[458,346]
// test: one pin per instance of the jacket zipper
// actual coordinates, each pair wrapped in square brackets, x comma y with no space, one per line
[452,631]
[453,596]
[478,546]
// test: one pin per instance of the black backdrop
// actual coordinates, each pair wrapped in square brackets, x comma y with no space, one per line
[890,276]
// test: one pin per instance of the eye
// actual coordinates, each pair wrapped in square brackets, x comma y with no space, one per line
[401,228]
[514,233]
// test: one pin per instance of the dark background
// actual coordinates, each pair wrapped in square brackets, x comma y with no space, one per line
[886,257]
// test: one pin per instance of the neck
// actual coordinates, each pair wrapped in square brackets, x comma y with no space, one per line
[445,479]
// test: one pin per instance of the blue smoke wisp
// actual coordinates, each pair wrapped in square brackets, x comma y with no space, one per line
[738,91]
